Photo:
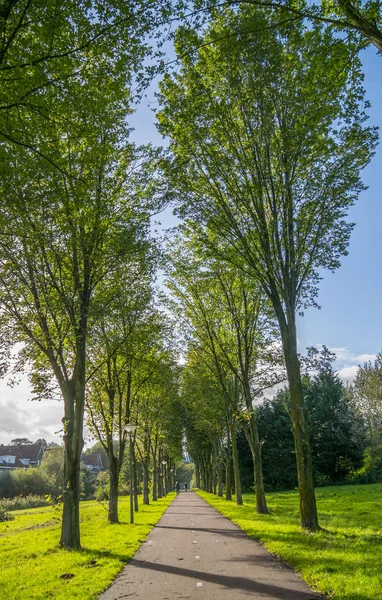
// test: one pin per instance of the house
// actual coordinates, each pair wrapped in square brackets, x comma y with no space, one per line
[93,462]
[21,456]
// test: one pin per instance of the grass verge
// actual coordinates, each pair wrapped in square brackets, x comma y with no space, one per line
[33,567]
[344,560]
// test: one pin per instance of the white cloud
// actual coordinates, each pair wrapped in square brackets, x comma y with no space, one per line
[347,374]
[344,355]
[346,365]
[366,357]
[20,417]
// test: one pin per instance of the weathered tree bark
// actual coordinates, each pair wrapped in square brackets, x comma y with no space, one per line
[308,507]
[70,529]
[160,491]
[74,406]
[113,490]
[220,479]
[228,471]
[209,476]
[155,480]
[236,469]
[214,471]
[252,435]
[203,477]
[146,494]
[197,475]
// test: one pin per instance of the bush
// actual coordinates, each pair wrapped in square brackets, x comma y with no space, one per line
[5,515]
[87,483]
[20,503]
[52,469]
[102,486]
[30,481]
[7,487]
[371,471]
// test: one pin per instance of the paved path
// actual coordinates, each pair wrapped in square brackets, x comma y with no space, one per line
[194,552]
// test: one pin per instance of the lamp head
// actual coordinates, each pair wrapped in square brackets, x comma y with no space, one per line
[130,428]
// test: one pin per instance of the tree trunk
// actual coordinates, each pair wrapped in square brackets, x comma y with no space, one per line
[197,476]
[74,401]
[308,508]
[214,469]
[146,495]
[236,469]
[155,480]
[252,435]
[228,469]
[210,476]
[159,474]
[146,469]
[70,529]
[113,492]
[220,479]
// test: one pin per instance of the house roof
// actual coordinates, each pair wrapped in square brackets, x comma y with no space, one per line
[30,451]
[92,460]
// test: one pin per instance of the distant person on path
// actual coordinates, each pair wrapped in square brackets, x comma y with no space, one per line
[186,487]
[177,487]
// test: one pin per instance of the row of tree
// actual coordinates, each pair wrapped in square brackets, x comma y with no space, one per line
[267,139]
[45,484]
[77,259]
[344,421]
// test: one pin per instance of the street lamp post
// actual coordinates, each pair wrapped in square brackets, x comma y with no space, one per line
[172,479]
[130,430]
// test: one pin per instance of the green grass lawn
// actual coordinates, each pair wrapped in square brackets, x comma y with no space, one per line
[32,564]
[344,561]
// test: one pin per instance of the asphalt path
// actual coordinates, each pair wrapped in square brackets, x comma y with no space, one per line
[195,552]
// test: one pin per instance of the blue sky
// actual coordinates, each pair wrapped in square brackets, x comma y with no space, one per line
[351,298]
[350,319]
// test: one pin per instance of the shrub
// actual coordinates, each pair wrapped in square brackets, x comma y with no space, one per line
[30,481]
[87,482]
[52,469]
[7,487]
[102,486]
[5,515]
[20,503]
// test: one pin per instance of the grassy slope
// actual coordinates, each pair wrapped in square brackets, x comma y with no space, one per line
[32,563]
[345,561]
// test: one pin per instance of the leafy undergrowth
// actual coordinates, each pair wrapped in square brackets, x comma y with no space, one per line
[344,560]
[33,567]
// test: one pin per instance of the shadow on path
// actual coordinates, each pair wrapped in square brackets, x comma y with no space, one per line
[236,533]
[234,583]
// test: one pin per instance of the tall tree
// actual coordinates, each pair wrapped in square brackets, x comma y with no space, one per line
[363,19]
[205,423]
[118,342]
[267,156]
[229,316]
[46,47]
[60,237]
